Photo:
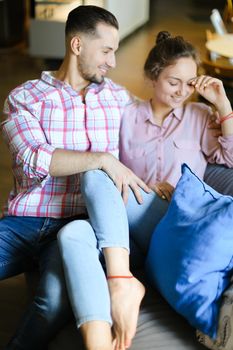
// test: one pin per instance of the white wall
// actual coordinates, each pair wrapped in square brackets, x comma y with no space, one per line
[131,14]
[47,37]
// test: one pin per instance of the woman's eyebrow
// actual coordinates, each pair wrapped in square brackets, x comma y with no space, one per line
[175,78]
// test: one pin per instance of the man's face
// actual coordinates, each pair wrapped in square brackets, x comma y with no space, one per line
[97,54]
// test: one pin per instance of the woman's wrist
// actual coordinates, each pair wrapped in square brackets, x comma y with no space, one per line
[224,108]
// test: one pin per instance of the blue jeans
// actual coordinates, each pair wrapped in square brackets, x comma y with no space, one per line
[23,242]
[111,222]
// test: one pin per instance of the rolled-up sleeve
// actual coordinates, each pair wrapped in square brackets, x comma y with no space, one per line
[25,137]
[219,149]
[226,155]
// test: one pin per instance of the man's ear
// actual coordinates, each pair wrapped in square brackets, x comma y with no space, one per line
[75,45]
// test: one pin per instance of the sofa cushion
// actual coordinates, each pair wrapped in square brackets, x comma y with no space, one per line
[190,255]
[224,339]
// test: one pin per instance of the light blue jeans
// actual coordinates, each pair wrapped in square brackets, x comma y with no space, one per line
[110,224]
[23,242]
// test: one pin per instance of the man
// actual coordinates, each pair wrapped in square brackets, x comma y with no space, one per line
[57,127]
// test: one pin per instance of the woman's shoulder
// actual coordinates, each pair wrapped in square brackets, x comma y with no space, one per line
[197,107]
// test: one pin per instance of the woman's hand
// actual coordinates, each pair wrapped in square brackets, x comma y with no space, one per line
[163,189]
[212,90]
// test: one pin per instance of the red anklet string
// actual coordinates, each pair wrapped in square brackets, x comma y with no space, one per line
[111,277]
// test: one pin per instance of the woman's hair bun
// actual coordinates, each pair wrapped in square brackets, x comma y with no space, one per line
[163,35]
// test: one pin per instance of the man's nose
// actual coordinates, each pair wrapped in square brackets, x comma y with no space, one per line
[112,61]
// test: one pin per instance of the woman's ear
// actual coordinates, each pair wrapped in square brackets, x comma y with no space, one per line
[75,45]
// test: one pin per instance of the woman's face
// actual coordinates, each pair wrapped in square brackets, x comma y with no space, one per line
[172,88]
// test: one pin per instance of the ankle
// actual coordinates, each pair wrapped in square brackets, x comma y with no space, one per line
[119,276]
[97,335]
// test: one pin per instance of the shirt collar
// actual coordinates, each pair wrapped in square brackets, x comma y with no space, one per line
[49,78]
[148,115]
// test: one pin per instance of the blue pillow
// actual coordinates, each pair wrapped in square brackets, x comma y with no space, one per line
[190,255]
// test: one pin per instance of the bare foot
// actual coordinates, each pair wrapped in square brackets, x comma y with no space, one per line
[97,335]
[126,296]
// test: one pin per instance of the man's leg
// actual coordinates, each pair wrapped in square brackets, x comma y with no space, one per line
[17,244]
[49,310]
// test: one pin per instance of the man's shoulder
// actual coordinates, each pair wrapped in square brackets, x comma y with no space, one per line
[33,90]
[25,89]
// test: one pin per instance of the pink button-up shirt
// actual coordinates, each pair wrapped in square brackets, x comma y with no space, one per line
[155,153]
[46,114]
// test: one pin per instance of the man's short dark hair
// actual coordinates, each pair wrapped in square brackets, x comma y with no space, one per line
[84,19]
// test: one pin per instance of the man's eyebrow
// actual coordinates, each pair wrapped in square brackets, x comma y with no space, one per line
[107,47]
[110,48]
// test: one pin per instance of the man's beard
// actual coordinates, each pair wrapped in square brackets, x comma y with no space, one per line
[92,78]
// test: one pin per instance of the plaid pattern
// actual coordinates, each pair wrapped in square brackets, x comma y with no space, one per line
[46,114]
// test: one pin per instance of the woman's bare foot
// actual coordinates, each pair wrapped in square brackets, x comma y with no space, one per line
[97,335]
[126,296]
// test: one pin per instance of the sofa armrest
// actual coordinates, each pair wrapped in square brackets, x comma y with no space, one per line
[220,178]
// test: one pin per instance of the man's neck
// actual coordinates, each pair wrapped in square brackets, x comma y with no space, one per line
[69,74]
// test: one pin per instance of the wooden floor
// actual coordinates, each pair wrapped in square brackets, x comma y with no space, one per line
[189,18]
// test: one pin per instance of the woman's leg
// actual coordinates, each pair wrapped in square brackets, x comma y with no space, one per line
[109,220]
[143,218]
[86,284]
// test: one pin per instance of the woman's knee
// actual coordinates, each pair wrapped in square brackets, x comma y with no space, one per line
[76,231]
[92,180]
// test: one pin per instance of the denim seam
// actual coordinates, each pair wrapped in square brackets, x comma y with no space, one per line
[89,318]
[105,244]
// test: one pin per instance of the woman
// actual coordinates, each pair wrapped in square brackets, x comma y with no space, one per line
[156,137]
[164,132]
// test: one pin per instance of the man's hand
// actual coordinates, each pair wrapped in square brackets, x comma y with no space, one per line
[123,178]
[163,190]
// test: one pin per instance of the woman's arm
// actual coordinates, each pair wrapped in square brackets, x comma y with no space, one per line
[212,90]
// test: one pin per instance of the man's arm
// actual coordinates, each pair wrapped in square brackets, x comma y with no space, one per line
[38,159]
[67,162]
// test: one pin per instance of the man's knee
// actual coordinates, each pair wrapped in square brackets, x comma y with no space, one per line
[55,305]
[50,296]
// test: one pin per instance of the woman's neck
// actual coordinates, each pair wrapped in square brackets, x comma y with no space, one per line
[160,112]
